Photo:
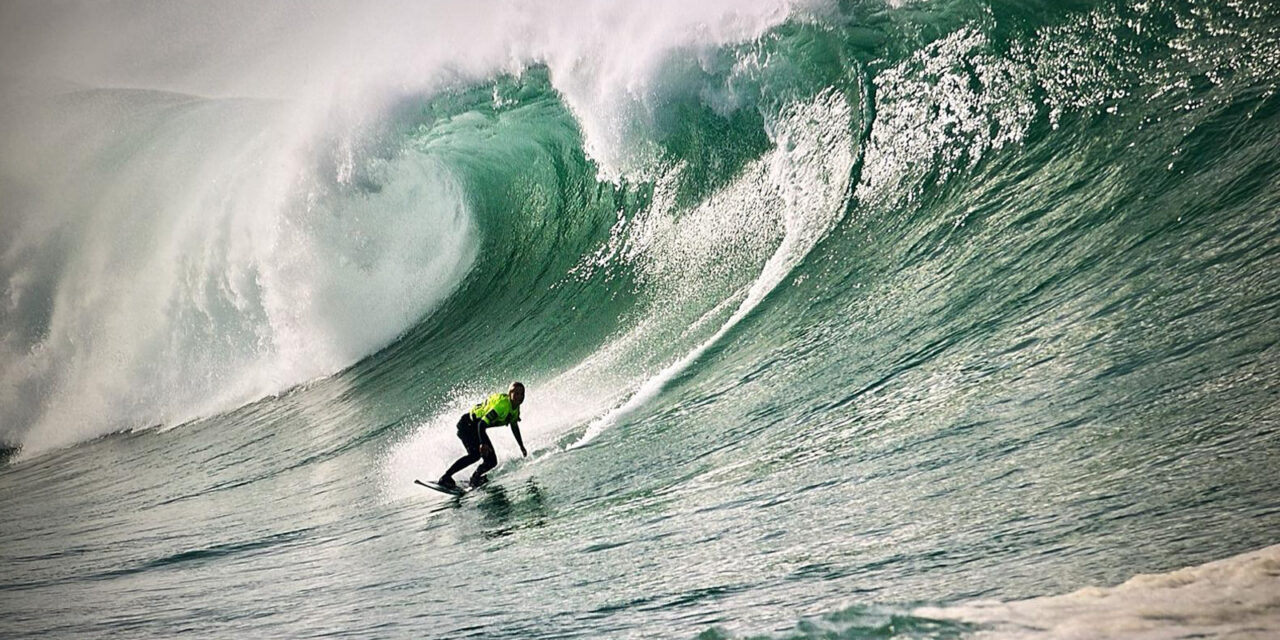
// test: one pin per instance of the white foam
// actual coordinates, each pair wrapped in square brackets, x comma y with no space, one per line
[222,278]
[1237,597]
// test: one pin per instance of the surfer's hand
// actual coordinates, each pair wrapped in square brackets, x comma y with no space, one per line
[524,453]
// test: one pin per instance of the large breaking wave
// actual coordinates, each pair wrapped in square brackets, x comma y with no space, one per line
[169,255]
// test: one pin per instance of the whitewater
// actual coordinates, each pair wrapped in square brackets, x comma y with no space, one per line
[926,319]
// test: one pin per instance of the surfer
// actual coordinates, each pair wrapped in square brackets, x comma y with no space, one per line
[500,409]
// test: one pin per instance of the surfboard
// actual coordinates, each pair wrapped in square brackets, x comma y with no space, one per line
[441,488]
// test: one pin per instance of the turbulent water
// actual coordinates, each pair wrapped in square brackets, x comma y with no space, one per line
[936,319]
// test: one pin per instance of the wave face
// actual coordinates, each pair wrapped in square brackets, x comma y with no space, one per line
[872,315]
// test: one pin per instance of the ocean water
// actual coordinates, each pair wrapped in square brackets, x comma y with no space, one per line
[865,319]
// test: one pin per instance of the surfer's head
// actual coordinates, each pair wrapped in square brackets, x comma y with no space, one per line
[516,393]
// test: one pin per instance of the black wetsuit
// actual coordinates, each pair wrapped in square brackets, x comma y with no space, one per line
[471,431]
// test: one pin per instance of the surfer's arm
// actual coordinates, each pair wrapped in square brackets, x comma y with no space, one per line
[515,431]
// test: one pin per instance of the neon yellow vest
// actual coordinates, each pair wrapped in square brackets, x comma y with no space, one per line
[496,411]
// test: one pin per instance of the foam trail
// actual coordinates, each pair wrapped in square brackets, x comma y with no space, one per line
[814,154]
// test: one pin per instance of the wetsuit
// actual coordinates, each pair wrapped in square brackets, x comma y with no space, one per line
[496,411]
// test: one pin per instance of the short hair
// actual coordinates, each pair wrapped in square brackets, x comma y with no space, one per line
[517,385]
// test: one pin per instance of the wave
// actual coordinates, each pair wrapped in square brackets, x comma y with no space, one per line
[598,214]
[174,256]
[989,285]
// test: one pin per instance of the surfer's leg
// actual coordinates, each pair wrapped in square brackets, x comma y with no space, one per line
[462,463]
[490,461]
[471,440]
